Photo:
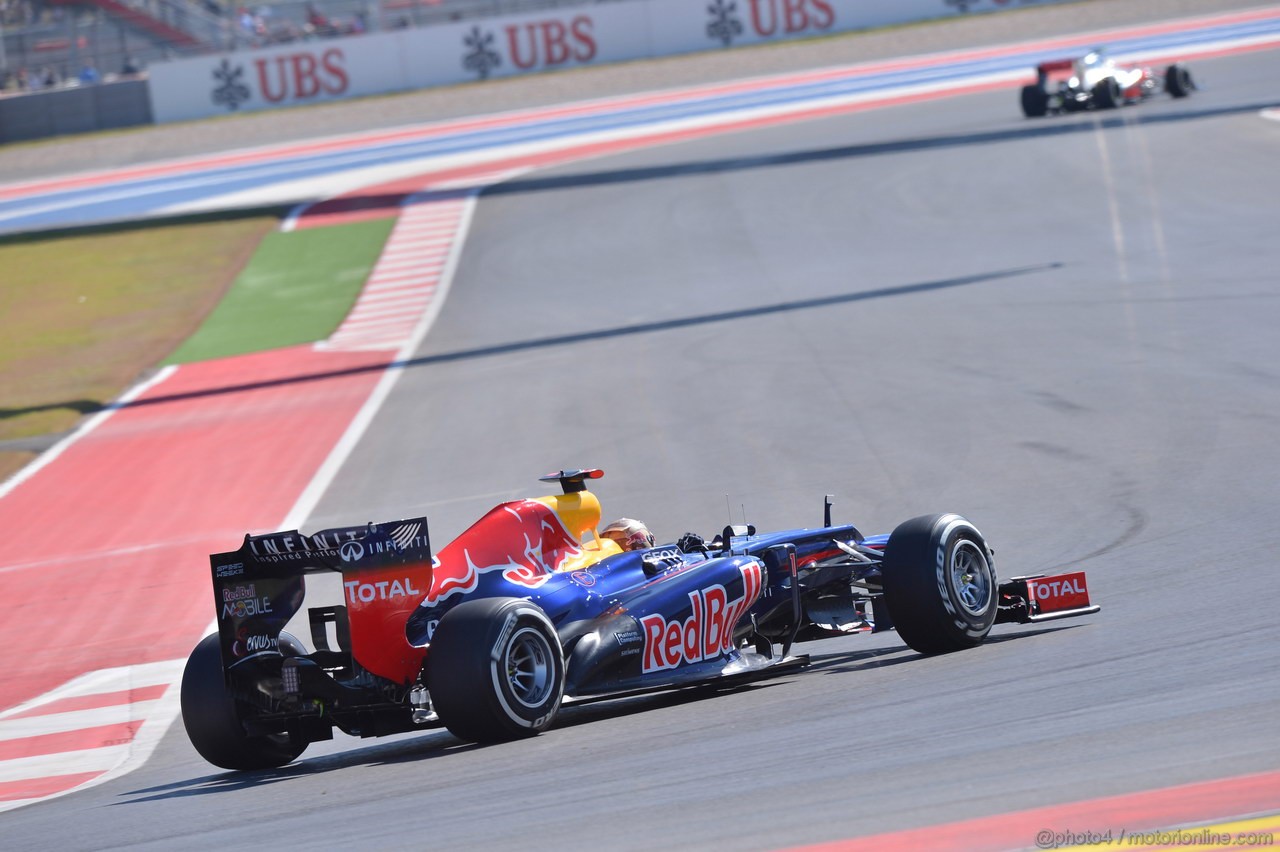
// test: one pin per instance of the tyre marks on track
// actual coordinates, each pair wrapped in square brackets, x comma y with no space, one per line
[233,442]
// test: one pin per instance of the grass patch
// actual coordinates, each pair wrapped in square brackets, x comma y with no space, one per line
[297,289]
[82,315]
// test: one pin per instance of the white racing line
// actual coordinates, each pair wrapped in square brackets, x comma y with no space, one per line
[48,456]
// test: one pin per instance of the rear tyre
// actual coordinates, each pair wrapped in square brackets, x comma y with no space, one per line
[940,584]
[213,717]
[495,670]
[1177,81]
[1106,95]
[1035,101]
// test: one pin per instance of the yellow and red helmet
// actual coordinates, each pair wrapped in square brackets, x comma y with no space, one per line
[629,534]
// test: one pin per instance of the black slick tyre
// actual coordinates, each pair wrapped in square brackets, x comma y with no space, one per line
[213,717]
[1106,95]
[1177,81]
[940,583]
[495,670]
[1035,101]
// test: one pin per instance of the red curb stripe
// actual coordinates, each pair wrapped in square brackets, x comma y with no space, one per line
[404,282]
[1146,811]
[78,740]
[93,702]
[36,788]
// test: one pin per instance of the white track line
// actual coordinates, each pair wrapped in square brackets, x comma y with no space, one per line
[46,458]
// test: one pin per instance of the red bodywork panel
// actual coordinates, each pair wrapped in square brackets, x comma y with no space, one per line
[1058,68]
[379,602]
[524,539]
[389,570]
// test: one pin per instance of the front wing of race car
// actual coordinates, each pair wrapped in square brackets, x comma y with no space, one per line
[1041,597]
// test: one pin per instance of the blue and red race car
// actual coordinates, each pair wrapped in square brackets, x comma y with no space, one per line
[531,608]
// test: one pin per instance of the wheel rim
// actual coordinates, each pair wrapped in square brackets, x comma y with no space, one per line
[529,667]
[971,578]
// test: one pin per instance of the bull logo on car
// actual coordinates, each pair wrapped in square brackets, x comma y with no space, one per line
[524,540]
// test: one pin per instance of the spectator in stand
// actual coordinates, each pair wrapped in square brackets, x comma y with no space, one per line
[88,75]
[319,24]
[131,67]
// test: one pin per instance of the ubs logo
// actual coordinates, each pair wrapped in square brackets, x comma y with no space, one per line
[231,90]
[724,22]
[768,18]
[480,57]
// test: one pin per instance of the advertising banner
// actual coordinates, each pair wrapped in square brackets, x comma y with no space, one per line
[680,26]
[288,75]
[551,40]
[554,39]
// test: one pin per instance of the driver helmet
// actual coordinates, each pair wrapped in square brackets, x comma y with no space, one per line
[629,534]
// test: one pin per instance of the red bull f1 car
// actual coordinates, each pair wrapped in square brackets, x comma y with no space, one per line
[1095,81]
[531,609]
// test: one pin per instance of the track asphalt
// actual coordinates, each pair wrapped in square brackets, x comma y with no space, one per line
[108,535]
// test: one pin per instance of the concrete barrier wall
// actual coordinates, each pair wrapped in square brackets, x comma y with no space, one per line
[78,110]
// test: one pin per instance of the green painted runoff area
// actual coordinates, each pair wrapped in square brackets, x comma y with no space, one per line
[297,288]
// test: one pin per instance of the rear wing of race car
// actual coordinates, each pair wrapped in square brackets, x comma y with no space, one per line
[1057,69]
[386,571]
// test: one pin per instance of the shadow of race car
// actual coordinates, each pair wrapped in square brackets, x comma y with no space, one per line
[1095,81]
[530,608]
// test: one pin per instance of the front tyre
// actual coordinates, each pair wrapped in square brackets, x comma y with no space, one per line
[1107,94]
[495,670]
[940,583]
[212,717]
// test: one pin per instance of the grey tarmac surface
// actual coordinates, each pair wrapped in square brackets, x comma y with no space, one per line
[1063,329]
